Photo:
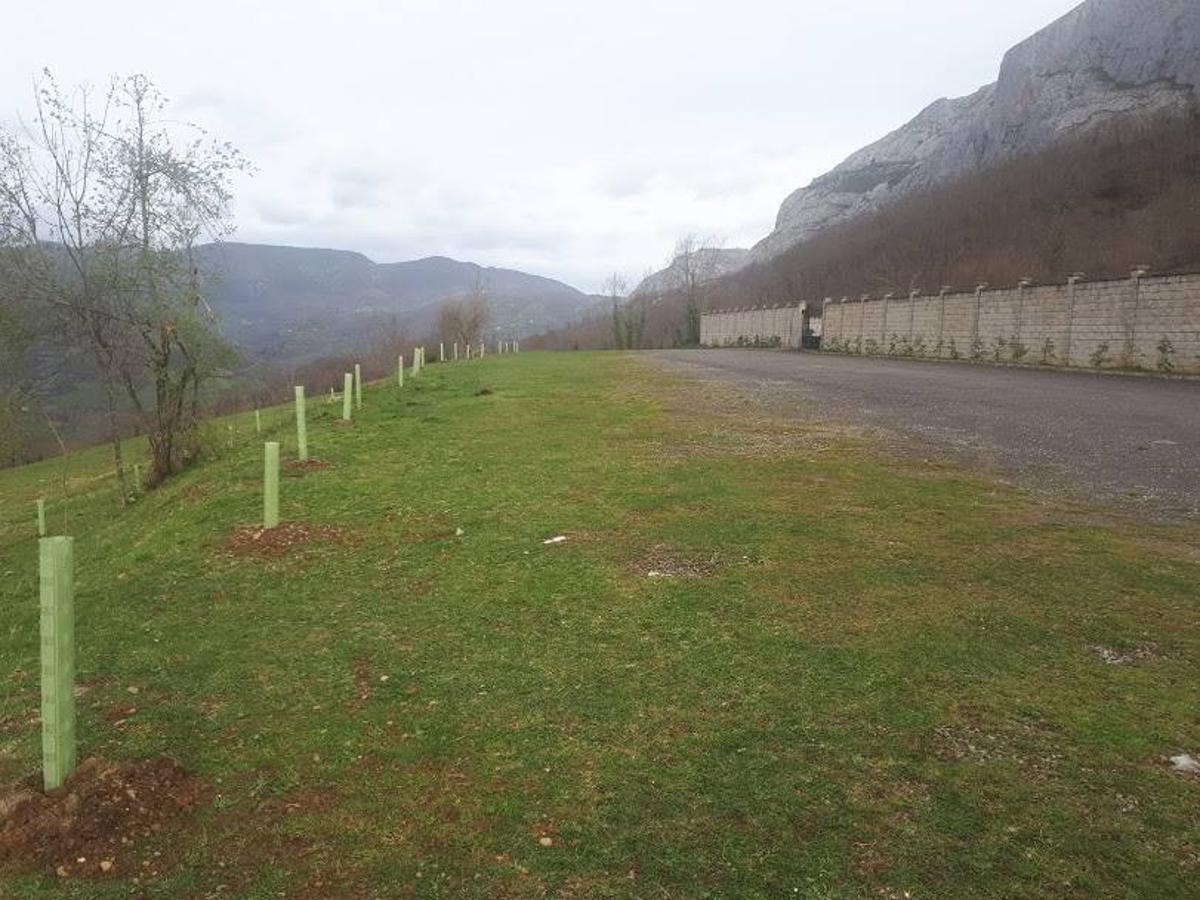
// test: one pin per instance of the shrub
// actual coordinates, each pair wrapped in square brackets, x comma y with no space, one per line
[1166,355]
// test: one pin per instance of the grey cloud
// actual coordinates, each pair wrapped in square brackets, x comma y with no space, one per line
[511,133]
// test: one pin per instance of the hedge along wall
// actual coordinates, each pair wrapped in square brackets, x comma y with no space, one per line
[1141,322]
[769,326]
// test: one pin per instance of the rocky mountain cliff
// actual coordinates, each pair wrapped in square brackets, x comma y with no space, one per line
[1105,60]
[298,302]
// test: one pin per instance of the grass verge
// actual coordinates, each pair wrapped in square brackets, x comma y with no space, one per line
[769,659]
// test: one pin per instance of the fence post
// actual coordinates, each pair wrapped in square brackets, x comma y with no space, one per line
[912,313]
[57,581]
[400,370]
[975,341]
[441,352]
[887,302]
[357,386]
[456,351]
[1131,341]
[257,422]
[41,516]
[347,395]
[271,484]
[1071,283]
[301,425]
[942,314]
[1021,285]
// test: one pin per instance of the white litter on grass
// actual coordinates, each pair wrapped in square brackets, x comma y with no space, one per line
[1185,763]
[557,539]
[659,575]
[458,532]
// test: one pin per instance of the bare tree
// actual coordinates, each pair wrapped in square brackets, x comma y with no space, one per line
[615,289]
[628,313]
[693,263]
[463,319]
[102,201]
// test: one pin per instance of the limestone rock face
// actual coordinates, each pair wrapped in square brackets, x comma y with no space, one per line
[707,263]
[1104,60]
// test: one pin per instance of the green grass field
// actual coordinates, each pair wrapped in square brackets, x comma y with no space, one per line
[850,675]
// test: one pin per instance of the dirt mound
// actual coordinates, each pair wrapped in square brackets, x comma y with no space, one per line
[90,825]
[307,465]
[254,540]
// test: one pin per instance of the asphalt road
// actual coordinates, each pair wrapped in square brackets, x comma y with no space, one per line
[1125,439]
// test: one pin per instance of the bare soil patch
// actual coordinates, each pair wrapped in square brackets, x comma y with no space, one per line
[667,562]
[1032,745]
[254,540]
[1126,656]
[91,825]
[361,669]
[300,466]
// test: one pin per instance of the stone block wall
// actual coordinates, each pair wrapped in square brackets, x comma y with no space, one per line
[764,326]
[1143,322]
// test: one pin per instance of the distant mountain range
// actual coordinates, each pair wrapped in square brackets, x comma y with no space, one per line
[298,303]
[1105,61]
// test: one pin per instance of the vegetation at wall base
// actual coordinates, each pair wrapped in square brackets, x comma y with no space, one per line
[771,658]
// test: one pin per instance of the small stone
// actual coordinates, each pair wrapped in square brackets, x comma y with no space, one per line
[1186,763]
[546,841]
[106,865]
[133,689]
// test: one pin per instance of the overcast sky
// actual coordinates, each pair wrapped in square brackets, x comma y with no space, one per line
[566,139]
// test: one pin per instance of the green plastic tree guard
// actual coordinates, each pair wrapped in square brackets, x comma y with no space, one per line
[347,395]
[441,352]
[271,484]
[57,577]
[41,517]
[456,351]
[301,425]
[358,386]
[400,370]
[137,478]
[257,422]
